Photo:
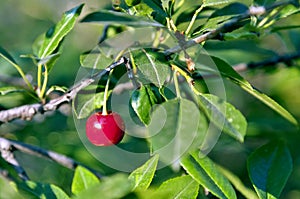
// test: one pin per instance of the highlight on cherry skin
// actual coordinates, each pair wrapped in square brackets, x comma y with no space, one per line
[105,129]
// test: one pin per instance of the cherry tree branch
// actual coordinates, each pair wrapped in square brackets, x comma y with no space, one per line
[228,26]
[26,112]
[7,154]
[7,148]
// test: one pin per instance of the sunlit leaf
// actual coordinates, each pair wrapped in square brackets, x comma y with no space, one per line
[8,190]
[205,172]
[95,60]
[143,100]
[112,187]
[82,180]
[44,191]
[142,176]
[269,169]
[224,115]
[181,187]
[152,67]
[53,37]
[215,2]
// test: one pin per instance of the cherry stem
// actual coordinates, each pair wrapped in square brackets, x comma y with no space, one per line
[104,110]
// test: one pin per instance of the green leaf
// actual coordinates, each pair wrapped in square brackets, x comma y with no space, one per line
[219,66]
[207,3]
[143,100]
[172,132]
[205,172]
[95,60]
[181,187]
[83,179]
[8,190]
[43,191]
[112,17]
[152,67]
[238,184]
[53,37]
[85,104]
[5,55]
[10,89]
[142,176]
[231,10]
[264,2]
[239,35]
[116,186]
[269,168]
[224,115]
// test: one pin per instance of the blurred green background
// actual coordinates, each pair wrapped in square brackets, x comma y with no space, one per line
[22,21]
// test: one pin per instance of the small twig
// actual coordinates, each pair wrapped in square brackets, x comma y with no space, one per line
[241,67]
[63,160]
[287,58]
[7,149]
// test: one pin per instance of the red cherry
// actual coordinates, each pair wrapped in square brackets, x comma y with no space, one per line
[105,130]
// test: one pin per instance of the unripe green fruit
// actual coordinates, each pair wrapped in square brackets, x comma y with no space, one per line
[132,2]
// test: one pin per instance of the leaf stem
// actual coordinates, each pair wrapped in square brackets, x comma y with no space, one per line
[45,81]
[104,110]
[186,75]
[39,79]
[20,71]
[193,19]
[176,84]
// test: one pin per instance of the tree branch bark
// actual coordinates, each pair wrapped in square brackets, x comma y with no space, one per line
[26,112]
[7,147]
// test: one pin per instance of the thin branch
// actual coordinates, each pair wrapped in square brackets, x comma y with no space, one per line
[63,160]
[241,67]
[26,112]
[7,149]
[230,25]
[287,58]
